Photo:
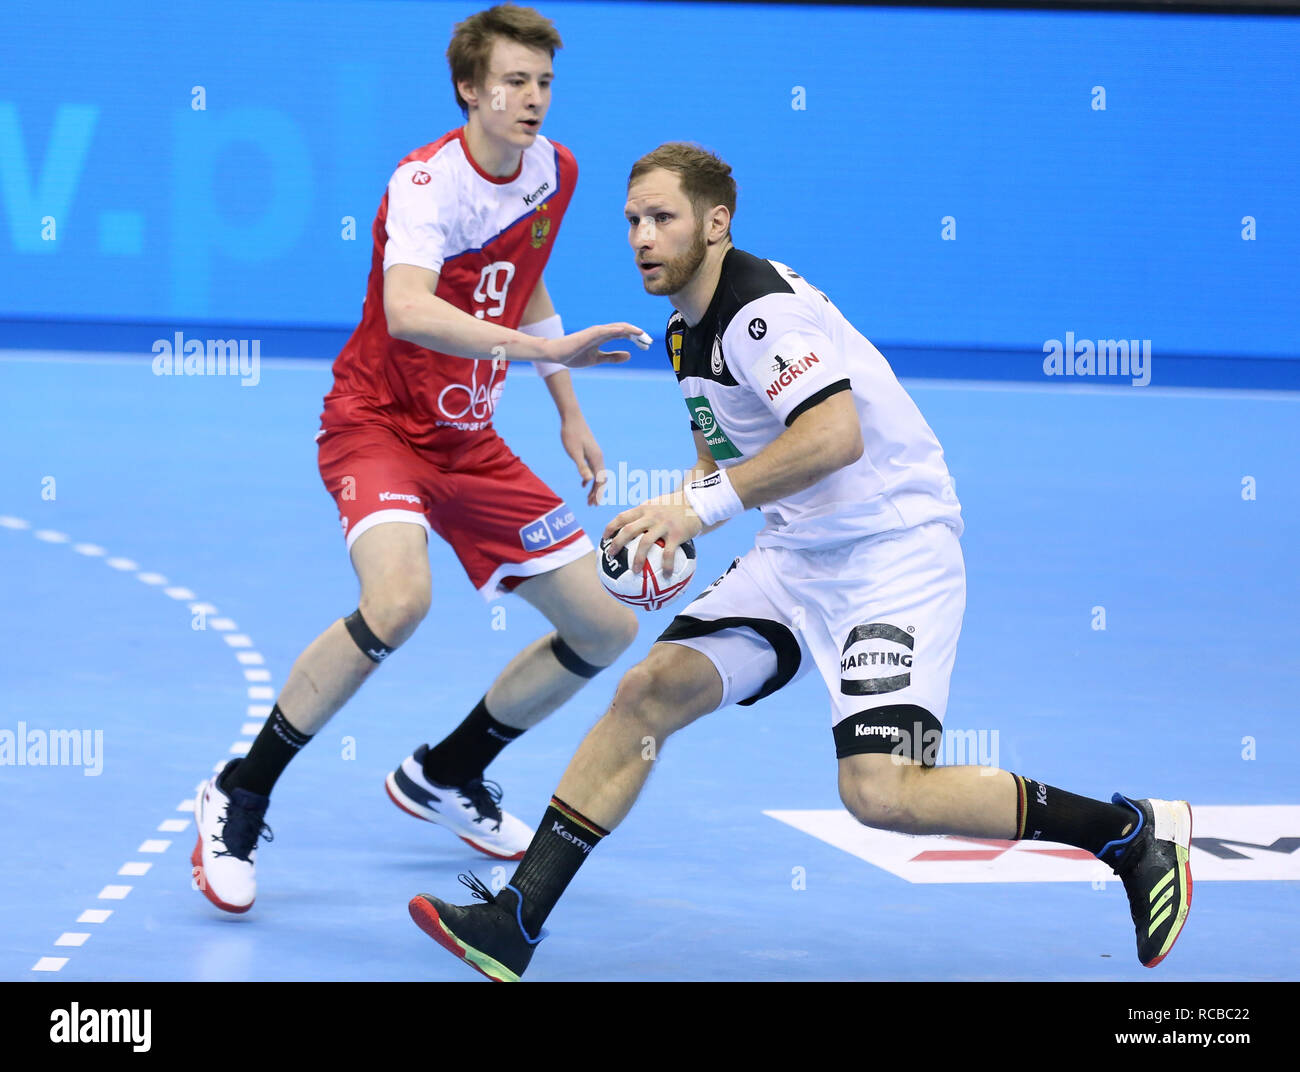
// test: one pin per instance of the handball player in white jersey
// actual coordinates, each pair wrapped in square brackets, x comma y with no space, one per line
[857,576]
[407,449]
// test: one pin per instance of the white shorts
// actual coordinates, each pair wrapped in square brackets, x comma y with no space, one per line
[879,618]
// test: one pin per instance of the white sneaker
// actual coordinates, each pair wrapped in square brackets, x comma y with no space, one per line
[470,811]
[223,857]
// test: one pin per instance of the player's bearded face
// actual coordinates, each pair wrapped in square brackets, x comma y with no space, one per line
[678,271]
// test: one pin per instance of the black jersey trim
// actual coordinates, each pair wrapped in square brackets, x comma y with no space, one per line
[817,396]
[779,637]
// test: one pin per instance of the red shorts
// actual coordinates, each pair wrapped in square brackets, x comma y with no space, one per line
[504,524]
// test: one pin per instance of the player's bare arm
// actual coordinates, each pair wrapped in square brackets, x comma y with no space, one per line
[417,315]
[824,438]
[575,434]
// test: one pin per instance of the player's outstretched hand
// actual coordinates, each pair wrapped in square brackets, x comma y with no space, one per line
[666,518]
[583,348]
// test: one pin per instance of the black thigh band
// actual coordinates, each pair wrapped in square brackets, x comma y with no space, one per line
[898,729]
[371,646]
[571,660]
[779,637]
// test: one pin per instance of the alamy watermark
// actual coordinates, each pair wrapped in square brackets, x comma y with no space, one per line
[53,748]
[1100,357]
[947,747]
[179,356]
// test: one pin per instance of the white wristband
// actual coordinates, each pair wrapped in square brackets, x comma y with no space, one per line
[550,328]
[713,498]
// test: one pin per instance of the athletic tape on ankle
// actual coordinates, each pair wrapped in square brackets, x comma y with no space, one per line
[571,660]
[713,498]
[371,646]
[550,328]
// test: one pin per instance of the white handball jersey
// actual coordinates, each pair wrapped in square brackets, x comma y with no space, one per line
[769,347]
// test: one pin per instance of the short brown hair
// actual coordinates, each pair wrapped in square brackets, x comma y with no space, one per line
[470,50]
[706,177]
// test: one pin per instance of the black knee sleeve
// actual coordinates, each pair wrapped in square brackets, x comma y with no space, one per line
[571,660]
[371,646]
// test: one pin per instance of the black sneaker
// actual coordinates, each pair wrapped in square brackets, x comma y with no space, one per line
[489,937]
[1153,863]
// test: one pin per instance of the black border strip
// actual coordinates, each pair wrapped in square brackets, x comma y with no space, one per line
[817,396]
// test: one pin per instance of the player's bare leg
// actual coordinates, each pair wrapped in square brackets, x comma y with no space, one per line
[593,625]
[668,690]
[893,793]
[392,563]
[672,687]
[1147,842]
[445,784]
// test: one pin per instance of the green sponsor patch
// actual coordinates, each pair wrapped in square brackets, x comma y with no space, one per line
[702,415]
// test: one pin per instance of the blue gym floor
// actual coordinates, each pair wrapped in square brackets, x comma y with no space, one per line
[169,492]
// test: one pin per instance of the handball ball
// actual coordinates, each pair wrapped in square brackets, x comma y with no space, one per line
[649,589]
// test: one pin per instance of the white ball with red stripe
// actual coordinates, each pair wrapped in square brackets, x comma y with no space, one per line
[649,589]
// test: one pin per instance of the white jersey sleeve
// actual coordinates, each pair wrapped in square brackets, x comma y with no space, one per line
[421,208]
[784,355]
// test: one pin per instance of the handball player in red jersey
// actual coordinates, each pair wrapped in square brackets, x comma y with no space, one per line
[407,449]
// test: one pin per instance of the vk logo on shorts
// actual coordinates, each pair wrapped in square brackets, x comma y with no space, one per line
[550,529]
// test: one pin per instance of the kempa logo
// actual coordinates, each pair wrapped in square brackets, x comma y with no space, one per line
[389,496]
[789,371]
[583,845]
[53,748]
[179,356]
[102,1025]
[530,198]
[1104,357]
[876,731]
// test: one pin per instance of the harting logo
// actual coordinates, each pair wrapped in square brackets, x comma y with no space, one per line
[875,648]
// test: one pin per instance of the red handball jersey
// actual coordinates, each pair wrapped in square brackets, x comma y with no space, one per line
[489,239]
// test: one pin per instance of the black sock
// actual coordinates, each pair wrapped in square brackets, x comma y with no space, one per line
[465,752]
[559,847]
[1049,814]
[274,747]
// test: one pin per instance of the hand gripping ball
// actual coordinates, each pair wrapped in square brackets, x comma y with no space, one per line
[649,589]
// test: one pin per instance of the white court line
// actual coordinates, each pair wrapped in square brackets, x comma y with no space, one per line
[71,938]
[138,868]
